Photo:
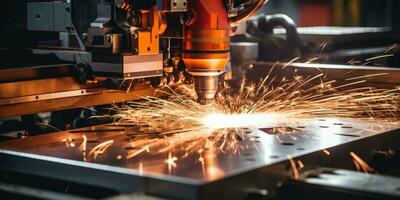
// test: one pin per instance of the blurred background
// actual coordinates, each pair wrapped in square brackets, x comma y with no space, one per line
[378,13]
[330,31]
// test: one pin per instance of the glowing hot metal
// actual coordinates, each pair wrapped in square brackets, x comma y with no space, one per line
[254,120]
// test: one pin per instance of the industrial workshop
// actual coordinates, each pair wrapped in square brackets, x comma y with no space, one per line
[200,99]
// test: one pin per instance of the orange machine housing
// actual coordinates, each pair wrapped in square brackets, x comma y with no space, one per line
[206,44]
[206,40]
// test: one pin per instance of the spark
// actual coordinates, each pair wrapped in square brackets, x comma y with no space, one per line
[140,168]
[135,153]
[367,76]
[100,148]
[290,62]
[361,165]
[48,125]
[390,52]
[201,160]
[326,152]
[389,152]
[219,121]
[394,47]
[82,147]
[171,162]
[295,171]
[312,60]
[379,57]
[68,142]
[323,46]
[300,163]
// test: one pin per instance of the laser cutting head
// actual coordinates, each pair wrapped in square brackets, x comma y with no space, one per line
[206,46]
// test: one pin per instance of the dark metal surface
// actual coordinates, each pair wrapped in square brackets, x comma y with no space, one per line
[30,97]
[260,163]
[15,74]
[31,90]
[320,34]
[21,186]
[375,76]
[21,192]
[341,184]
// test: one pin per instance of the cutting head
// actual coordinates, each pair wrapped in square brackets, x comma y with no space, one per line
[206,46]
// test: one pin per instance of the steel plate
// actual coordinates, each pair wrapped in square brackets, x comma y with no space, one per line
[260,163]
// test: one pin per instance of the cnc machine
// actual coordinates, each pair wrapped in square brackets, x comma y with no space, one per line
[72,57]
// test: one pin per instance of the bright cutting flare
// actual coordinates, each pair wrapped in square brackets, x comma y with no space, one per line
[221,121]
[179,124]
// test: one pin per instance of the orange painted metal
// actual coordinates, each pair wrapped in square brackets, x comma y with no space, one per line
[206,41]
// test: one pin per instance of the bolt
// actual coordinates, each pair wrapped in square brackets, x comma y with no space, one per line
[108,37]
[134,35]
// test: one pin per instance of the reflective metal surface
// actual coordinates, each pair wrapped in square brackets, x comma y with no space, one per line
[30,90]
[265,149]
[342,184]
[388,76]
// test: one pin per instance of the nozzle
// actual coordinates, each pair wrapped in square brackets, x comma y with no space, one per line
[205,87]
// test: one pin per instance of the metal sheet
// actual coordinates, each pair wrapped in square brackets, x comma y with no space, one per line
[47,95]
[261,162]
[326,183]
[388,78]
[40,16]
[341,35]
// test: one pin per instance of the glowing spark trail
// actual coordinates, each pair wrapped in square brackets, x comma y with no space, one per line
[361,165]
[326,152]
[379,57]
[171,162]
[293,165]
[300,163]
[219,121]
[68,142]
[100,148]
[82,147]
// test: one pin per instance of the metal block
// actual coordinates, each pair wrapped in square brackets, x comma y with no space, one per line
[40,16]
[62,17]
[175,5]
[67,39]
[128,67]
[244,51]
[326,183]
[49,16]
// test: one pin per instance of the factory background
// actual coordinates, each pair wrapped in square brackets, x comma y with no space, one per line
[376,13]
[364,13]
